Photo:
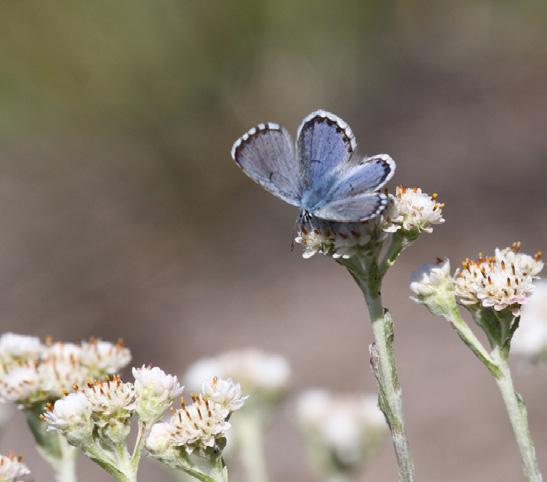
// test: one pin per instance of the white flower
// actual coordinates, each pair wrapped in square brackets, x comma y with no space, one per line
[71,415]
[343,427]
[227,393]
[412,210]
[20,384]
[103,357]
[530,338]
[339,240]
[14,347]
[504,281]
[111,398]
[432,285]
[262,375]
[155,392]
[12,469]
[199,425]
[63,352]
[59,375]
[159,439]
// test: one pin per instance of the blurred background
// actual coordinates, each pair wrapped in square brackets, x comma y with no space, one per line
[122,214]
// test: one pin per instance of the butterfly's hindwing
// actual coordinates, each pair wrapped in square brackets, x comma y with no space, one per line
[368,176]
[353,209]
[324,141]
[265,154]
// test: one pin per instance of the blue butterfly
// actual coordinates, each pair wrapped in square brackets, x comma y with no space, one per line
[325,178]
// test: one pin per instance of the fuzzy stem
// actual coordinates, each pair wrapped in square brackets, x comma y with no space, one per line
[518,416]
[249,433]
[52,446]
[369,278]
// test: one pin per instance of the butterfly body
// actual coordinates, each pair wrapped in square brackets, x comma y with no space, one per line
[321,174]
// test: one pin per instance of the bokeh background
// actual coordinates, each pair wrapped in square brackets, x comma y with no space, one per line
[122,215]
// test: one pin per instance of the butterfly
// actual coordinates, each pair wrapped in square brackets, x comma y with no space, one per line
[321,174]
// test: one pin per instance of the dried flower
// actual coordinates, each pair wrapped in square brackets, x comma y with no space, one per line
[413,211]
[432,285]
[530,339]
[504,281]
[12,469]
[155,391]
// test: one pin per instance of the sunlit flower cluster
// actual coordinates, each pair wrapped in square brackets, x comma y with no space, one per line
[503,281]
[105,407]
[339,240]
[433,286]
[413,211]
[262,375]
[340,430]
[409,211]
[32,372]
[530,339]
[12,469]
[198,426]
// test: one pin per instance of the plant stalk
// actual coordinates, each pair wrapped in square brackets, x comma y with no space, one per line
[249,432]
[518,416]
[369,278]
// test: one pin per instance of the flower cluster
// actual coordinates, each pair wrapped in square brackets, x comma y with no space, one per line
[262,375]
[413,211]
[12,469]
[340,431]
[32,372]
[503,281]
[409,213]
[530,340]
[103,409]
[432,285]
[199,426]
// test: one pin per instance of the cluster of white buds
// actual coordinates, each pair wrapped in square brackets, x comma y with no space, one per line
[198,427]
[12,469]
[432,285]
[32,372]
[530,340]
[264,376]
[409,213]
[340,431]
[103,409]
[503,281]
[413,211]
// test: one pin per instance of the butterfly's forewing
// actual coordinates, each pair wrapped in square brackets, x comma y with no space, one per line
[265,154]
[324,141]
[368,176]
[353,209]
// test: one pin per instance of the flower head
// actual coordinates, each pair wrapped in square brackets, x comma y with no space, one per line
[432,285]
[503,281]
[338,240]
[105,358]
[413,211]
[342,428]
[226,393]
[19,348]
[264,376]
[530,339]
[12,469]
[110,399]
[20,384]
[71,416]
[155,391]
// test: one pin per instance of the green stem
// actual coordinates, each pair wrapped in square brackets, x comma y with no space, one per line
[52,446]
[339,477]
[469,338]
[369,278]
[249,432]
[518,416]
[139,445]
